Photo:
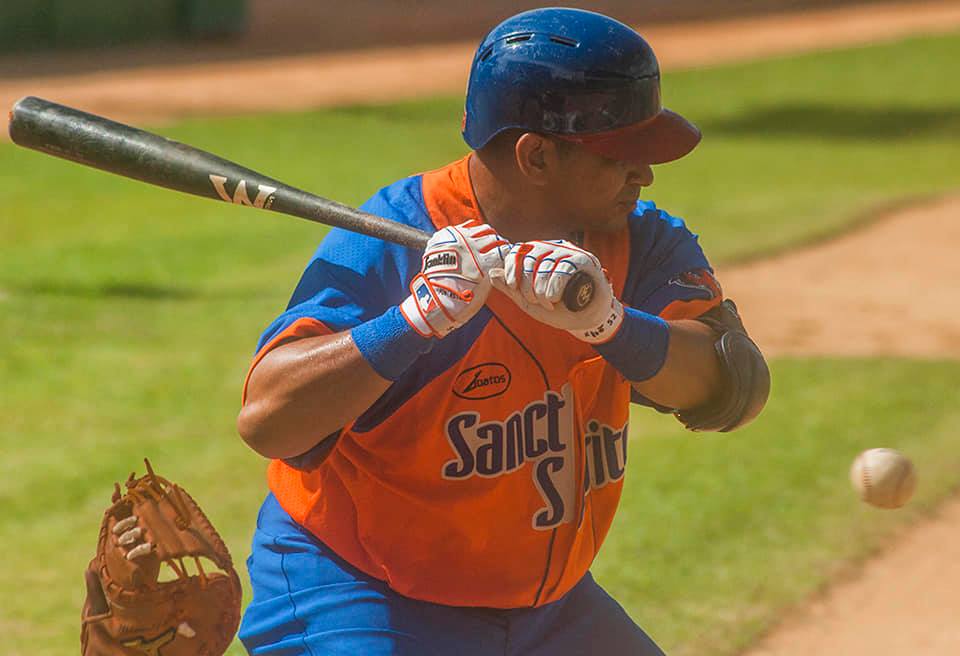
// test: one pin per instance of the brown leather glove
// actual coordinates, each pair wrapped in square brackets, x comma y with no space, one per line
[162,582]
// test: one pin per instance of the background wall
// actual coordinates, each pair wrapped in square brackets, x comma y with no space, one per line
[282,26]
[321,25]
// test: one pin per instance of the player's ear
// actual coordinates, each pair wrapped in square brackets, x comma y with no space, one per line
[537,157]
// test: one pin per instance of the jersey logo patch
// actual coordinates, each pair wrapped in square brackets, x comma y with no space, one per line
[483,381]
[606,451]
[539,439]
[700,280]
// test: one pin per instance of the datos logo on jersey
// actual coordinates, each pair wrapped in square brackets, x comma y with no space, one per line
[483,381]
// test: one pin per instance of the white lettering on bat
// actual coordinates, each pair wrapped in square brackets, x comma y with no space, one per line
[264,193]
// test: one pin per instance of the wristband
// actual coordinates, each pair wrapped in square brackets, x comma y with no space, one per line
[389,343]
[639,348]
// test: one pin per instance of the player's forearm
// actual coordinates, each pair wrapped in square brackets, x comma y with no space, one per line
[303,391]
[690,375]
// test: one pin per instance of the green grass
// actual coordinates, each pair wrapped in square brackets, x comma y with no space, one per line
[128,314]
[718,533]
[794,149]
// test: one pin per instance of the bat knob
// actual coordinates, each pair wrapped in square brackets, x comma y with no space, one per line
[578,292]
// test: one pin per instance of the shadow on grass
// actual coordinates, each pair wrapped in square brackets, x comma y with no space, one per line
[136,291]
[812,121]
[870,215]
[143,291]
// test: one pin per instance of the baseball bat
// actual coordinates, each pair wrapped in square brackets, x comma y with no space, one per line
[100,143]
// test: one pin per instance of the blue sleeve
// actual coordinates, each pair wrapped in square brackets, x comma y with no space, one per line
[666,262]
[352,278]
[668,274]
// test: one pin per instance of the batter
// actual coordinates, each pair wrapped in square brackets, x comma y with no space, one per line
[447,440]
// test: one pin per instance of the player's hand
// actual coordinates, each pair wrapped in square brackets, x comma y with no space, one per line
[535,275]
[453,283]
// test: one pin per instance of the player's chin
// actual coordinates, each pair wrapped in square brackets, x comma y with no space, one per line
[610,220]
[613,223]
[621,211]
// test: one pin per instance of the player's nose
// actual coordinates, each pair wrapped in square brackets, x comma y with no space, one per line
[640,174]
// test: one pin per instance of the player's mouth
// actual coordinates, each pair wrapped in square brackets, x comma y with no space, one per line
[628,199]
[630,193]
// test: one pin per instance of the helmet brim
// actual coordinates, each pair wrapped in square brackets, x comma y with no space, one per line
[666,137]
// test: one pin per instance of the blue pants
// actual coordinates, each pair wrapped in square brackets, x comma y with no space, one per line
[309,602]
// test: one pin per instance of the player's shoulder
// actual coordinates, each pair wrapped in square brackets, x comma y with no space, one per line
[656,230]
[402,202]
[350,261]
[662,247]
[660,240]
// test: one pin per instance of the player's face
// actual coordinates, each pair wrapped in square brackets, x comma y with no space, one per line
[597,193]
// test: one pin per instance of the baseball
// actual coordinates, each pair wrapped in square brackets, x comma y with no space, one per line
[884,478]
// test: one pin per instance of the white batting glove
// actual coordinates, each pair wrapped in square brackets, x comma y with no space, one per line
[453,283]
[535,275]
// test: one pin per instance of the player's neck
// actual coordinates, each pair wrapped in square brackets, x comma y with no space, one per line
[516,213]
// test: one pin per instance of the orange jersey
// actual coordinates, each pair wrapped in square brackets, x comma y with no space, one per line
[490,472]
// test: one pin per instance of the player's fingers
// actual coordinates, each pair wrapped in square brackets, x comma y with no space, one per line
[513,265]
[566,267]
[140,551]
[585,259]
[124,525]
[481,231]
[527,276]
[556,284]
[541,283]
[509,270]
[129,537]
[498,280]
[494,244]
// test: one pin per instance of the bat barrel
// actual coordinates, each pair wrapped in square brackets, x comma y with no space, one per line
[100,143]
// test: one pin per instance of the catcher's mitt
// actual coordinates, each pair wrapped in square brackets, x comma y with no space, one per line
[162,582]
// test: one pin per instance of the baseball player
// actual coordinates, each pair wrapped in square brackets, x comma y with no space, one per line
[448,440]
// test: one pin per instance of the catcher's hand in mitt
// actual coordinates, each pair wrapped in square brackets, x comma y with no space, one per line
[162,582]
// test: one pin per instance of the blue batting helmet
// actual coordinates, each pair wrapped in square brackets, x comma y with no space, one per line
[579,75]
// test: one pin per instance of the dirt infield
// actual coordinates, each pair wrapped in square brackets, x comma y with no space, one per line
[902,604]
[888,289]
[883,290]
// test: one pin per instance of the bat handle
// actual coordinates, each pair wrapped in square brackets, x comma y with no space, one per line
[577,295]
[579,291]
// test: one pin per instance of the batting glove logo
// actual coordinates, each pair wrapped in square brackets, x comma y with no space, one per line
[441,261]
